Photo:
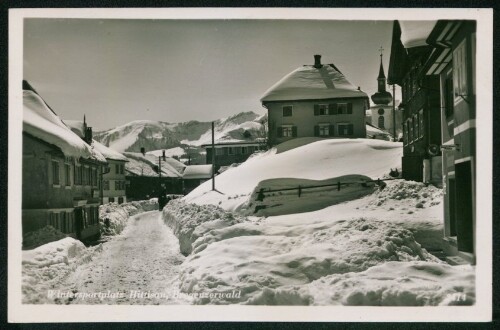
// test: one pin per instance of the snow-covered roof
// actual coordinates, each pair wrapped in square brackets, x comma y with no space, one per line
[77,127]
[415,33]
[108,153]
[310,83]
[42,123]
[144,165]
[197,172]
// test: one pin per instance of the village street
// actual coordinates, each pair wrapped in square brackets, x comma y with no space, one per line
[140,266]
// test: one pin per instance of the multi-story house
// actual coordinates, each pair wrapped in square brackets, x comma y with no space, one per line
[112,183]
[315,101]
[60,173]
[452,61]
[421,102]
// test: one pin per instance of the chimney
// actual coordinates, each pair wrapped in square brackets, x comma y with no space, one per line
[88,135]
[143,151]
[163,155]
[317,62]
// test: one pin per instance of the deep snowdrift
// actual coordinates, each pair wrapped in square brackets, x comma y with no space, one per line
[319,160]
[332,255]
[114,216]
[45,267]
[266,257]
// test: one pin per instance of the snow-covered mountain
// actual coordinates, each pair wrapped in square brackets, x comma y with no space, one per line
[153,135]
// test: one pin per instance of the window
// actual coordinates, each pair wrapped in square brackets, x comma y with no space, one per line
[67,174]
[415,127]
[287,131]
[77,175]
[321,110]
[344,108]
[230,151]
[381,122]
[120,200]
[244,150]
[111,199]
[460,70]
[94,177]
[105,185]
[55,172]
[345,129]
[287,111]
[324,129]
[219,151]
[448,97]
[121,185]
[421,122]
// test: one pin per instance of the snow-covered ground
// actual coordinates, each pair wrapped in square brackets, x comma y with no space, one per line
[140,266]
[52,256]
[306,159]
[363,249]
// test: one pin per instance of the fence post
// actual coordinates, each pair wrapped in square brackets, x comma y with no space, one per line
[300,190]
[338,185]
[260,195]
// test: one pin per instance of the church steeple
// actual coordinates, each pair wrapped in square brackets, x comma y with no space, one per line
[382,96]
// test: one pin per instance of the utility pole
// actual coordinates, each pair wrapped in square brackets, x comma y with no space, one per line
[213,156]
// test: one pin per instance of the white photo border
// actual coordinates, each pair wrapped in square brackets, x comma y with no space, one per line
[480,312]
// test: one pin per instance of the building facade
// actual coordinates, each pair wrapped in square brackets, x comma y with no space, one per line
[60,174]
[114,182]
[315,101]
[453,63]
[422,161]
[230,152]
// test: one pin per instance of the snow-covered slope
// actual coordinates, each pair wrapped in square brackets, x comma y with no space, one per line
[319,160]
[153,135]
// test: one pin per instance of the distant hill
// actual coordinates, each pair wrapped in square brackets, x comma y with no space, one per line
[154,135]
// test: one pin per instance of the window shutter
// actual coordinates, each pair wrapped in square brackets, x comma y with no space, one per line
[332,109]
[316,130]
[279,132]
[331,130]
[316,109]
[349,108]
[294,131]
[350,129]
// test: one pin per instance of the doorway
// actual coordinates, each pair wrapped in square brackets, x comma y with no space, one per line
[464,210]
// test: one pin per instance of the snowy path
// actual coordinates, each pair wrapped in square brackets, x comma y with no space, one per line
[142,261]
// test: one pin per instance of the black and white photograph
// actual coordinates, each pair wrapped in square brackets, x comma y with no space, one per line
[248,164]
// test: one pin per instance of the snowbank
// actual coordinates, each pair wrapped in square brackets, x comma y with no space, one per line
[414,283]
[46,266]
[309,159]
[190,221]
[253,257]
[41,236]
[259,256]
[113,216]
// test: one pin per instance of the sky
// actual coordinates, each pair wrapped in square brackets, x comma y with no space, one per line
[118,70]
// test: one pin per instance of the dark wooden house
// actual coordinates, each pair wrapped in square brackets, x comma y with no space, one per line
[422,160]
[60,173]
